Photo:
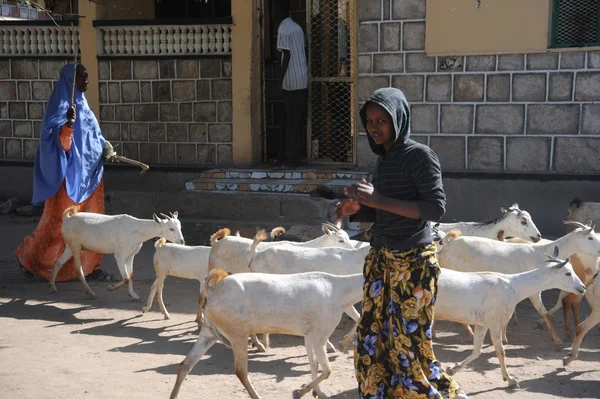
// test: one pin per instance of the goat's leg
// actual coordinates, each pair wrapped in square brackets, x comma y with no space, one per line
[557,306]
[239,345]
[132,294]
[348,338]
[345,342]
[66,255]
[318,347]
[478,338]
[257,343]
[121,259]
[199,314]
[567,308]
[205,341]
[314,365]
[159,297]
[536,300]
[496,336]
[580,331]
[265,340]
[150,299]
[79,270]
[468,329]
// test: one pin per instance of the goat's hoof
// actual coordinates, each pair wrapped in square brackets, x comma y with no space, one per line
[331,348]
[512,383]
[167,317]
[296,394]
[134,297]
[567,360]
[450,371]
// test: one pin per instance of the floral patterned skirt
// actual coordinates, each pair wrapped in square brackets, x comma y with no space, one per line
[393,355]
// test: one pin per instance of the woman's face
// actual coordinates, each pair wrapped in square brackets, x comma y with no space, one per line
[380,126]
[81,79]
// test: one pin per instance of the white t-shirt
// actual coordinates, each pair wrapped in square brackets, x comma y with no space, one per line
[291,37]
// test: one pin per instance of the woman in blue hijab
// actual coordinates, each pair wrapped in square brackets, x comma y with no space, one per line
[68,170]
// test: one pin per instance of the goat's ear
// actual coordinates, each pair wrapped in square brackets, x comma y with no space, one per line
[502,209]
[174,214]
[515,205]
[338,223]
[555,254]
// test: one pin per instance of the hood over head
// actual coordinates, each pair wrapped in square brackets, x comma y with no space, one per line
[394,102]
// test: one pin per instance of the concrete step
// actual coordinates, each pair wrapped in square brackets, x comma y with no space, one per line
[270,209]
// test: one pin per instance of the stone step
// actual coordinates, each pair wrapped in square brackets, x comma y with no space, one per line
[287,174]
[299,181]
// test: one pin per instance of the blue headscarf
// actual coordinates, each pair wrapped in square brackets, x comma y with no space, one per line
[81,166]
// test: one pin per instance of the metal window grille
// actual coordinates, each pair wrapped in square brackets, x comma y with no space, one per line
[576,23]
[332,81]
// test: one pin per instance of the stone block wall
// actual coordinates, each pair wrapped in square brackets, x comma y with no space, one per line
[25,87]
[494,113]
[169,112]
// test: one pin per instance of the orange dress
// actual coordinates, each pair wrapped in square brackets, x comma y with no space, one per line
[39,251]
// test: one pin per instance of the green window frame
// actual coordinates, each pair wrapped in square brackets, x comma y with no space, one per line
[575,23]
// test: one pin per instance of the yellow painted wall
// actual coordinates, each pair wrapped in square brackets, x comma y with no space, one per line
[89,52]
[459,27]
[246,81]
[126,9]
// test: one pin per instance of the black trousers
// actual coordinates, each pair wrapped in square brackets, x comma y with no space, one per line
[292,143]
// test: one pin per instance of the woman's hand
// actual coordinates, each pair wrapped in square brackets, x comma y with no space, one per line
[346,208]
[71,116]
[364,193]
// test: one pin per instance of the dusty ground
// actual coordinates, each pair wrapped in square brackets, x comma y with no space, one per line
[68,346]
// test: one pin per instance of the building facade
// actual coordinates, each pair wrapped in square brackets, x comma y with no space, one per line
[494,86]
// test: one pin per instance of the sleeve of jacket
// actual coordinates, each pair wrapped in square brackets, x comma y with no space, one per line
[427,176]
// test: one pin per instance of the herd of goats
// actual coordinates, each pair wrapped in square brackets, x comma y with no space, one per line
[251,286]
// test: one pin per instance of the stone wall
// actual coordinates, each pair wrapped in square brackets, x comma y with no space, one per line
[25,87]
[505,113]
[170,112]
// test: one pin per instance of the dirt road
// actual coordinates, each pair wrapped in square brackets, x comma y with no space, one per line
[68,346]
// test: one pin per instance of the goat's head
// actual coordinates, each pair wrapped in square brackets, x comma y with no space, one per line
[170,227]
[336,236]
[563,275]
[519,224]
[586,239]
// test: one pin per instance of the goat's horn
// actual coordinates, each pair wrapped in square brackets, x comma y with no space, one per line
[335,226]
[165,216]
[575,223]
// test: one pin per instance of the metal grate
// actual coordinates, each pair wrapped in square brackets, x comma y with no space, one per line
[332,81]
[576,23]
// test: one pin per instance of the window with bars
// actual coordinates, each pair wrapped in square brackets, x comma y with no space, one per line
[575,23]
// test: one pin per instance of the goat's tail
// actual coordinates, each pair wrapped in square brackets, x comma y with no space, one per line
[218,235]
[159,243]
[214,277]
[260,236]
[70,211]
[276,232]
[451,236]
[574,204]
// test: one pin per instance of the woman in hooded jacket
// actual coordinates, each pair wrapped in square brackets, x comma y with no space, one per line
[68,170]
[393,353]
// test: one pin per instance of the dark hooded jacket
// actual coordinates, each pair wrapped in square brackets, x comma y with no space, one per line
[410,171]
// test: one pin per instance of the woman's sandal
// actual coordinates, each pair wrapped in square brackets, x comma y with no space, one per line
[101,275]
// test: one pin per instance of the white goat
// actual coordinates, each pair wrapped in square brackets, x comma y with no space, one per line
[583,212]
[514,223]
[231,252]
[190,262]
[121,235]
[290,259]
[582,329]
[306,304]
[586,267]
[475,254]
[178,261]
[488,300]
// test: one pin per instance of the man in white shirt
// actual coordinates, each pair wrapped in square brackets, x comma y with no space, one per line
[294,84]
